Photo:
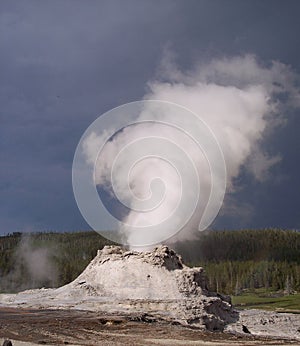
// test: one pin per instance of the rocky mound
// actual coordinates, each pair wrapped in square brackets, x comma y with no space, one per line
[129,282]
[156,282]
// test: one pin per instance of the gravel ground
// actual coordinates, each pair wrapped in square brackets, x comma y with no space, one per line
[60,327]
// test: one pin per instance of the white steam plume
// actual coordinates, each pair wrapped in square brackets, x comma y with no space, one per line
[239,99]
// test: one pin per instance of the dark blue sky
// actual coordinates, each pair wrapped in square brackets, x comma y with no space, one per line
[63,63]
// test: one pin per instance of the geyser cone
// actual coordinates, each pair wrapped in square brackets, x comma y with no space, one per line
[130,283]
[153,286]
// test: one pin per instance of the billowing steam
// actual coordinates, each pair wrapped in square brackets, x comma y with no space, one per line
[239,100]
[164,172]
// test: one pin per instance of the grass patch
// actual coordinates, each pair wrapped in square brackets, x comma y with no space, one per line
[268,301]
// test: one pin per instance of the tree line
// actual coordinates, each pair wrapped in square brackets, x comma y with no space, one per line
[246,259]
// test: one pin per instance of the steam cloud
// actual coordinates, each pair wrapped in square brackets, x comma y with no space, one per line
[239,99]
[37,262]
[33,267]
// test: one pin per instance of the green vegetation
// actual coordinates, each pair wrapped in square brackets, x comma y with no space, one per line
[243,245]
[249,264]
[262,299]
[232,277]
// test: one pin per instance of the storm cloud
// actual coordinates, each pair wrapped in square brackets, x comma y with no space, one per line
[63,63]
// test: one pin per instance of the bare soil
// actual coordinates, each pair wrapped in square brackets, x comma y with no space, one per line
[74,327]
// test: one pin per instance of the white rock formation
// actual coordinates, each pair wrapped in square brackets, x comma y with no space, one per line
[127,282]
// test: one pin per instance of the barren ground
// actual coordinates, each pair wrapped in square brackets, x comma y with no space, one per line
[65,327]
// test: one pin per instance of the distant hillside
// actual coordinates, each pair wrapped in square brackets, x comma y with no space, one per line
[246,259]
[243,245]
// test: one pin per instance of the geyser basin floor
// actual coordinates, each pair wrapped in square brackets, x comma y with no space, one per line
[73,327]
